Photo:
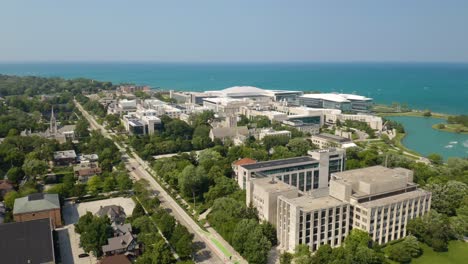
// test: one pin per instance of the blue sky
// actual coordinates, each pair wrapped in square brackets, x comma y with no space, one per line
[236,30]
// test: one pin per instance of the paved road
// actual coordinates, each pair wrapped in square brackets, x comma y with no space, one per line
[209,252]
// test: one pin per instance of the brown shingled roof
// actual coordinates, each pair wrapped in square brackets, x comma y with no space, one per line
[244,161]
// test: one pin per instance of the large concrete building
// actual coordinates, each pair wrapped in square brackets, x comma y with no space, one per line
[378,200]
[303,173]
[343,102]
[325,140]
[258,94]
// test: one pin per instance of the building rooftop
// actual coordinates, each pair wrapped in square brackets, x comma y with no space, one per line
[332,137]
[373,174]
[65,154]
[327,96]
[112,211]
[339,98]
[281,162]
[222,100]
[239,91]
[223,132]
[244,161]
[395,198]
[135,123]
[27,242]
[270,186]
[308,203]
[118,243]
[355,97]
[36,202]
[375,180]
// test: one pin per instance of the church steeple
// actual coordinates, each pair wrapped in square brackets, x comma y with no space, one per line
[53,123]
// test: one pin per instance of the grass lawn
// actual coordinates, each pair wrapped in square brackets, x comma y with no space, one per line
[454,128]
[414,113]
[457,253]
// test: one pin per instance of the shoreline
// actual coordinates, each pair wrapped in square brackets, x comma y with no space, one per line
[398,141]
[449,128]
[416,113]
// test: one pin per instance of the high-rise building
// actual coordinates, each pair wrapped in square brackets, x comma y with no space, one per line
[377,199]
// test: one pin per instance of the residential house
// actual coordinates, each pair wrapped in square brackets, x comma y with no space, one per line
[65,157]
[86,170]
[125,244]
[115,213]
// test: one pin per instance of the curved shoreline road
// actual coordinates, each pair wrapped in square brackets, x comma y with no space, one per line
[217,250]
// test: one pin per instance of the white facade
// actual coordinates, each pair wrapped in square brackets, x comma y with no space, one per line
[270,132]
[300,172]
[376,199]
[375,122]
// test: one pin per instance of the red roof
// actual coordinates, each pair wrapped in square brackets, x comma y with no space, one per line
[244,161]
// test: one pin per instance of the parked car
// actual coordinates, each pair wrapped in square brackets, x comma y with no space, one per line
[83,255]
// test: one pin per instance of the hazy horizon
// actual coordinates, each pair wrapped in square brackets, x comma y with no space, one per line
[210,31]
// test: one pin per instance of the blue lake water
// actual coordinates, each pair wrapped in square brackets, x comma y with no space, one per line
[423,139]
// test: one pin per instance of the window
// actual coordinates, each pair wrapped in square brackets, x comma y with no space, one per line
[294,179]
[316,179]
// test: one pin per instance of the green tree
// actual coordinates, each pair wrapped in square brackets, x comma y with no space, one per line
[124,182]
[94,184]
[447,197]
[427,113]
[281,152]
[9,198]
[156,253]
[299,146]
[109,184]
[138,211]
[166,222]
[256,247]
[274,141]
[193,182]
[94,232]
[181,239]
[222,188]
[286,258]
[433,229]
[405,250]
[269,231]
[15,174]
[435,158]
[34,167]
[324,254]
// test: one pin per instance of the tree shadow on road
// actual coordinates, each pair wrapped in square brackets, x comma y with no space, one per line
[201,254]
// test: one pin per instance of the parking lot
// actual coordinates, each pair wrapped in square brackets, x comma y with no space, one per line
[69,240]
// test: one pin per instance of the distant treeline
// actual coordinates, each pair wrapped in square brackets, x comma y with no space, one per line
[32,85]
